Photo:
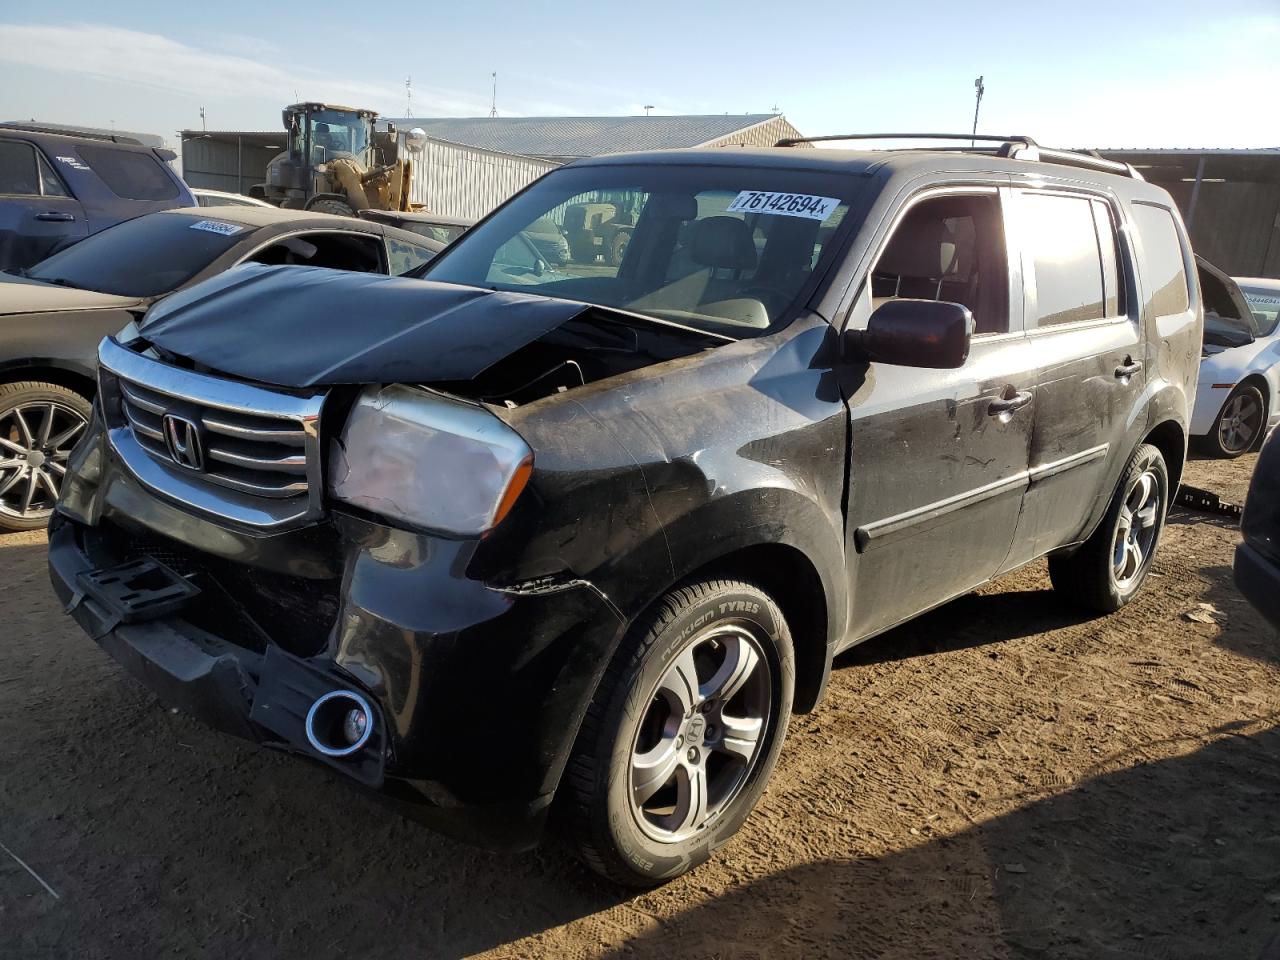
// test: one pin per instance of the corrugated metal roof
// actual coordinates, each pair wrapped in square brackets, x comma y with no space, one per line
[581,136]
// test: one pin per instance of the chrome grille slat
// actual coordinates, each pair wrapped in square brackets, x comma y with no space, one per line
[296,463]
[261,453]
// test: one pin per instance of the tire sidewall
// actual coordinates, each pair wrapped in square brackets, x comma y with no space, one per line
[1215,437]
[1146,458]
[644,856]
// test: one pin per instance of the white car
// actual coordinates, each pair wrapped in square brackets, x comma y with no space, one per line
[220,198]
[1236,401]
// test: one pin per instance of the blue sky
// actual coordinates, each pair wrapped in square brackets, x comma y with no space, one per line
[1073,74]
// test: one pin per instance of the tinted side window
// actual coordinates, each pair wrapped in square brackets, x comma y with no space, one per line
[1062,242]
[403,256]
[18,169]
[134,176]
[1163,273]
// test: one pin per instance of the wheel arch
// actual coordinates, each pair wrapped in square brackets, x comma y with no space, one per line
[1170,439]
[49,371]
[791,578]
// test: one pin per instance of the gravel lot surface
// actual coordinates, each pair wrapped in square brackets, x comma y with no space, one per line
[1001,778]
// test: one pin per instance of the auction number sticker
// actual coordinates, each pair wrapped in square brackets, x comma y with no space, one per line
[216,226]
[783,204]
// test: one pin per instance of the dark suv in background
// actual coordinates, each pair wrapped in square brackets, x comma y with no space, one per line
[500,541]
[57,187]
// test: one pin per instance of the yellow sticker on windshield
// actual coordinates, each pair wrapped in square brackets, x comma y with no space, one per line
[783,204]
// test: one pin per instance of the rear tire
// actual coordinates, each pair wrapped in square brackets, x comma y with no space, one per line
[1239,425]
[662,774]
[1108,570]
[34,451]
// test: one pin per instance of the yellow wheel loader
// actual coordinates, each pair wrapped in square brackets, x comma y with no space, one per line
[338,162]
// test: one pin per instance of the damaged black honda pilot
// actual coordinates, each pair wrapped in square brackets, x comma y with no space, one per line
[520,541]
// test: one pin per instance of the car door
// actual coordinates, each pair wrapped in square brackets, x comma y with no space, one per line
[37,212]
[938,458]
[1089,412]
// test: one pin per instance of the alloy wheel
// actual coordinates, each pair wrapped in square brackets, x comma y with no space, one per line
[702,734]
[35,441]
[1136,529]
[1239,425]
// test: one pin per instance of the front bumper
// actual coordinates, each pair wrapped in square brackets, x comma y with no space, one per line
[478,690]
[1258,578]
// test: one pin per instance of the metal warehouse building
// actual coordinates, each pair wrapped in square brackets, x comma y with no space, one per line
[471,164]
[1230,200]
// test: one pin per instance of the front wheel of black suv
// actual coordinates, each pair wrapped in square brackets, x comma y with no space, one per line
[683,733]
[1107,571]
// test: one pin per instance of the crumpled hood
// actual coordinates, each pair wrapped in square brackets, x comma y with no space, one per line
[26,295]
[308,326]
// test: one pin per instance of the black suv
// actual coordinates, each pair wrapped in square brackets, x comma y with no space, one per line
[59,186]
[583,541]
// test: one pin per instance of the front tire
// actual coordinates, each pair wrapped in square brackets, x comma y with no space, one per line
[337,207]
[683,733]
[1108,570]
[40,423]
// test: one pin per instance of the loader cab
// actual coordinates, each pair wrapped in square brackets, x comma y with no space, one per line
[317,133]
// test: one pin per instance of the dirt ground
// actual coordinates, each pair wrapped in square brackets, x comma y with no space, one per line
[1002,778]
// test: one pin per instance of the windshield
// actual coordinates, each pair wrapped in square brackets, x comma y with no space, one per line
[1266,308]
[340,134]
[146,257]
[728,249]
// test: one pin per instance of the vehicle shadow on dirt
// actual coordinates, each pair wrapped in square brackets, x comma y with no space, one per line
[1178,859]
[974,620]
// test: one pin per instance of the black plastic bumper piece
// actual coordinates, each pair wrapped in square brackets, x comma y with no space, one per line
[1258,578]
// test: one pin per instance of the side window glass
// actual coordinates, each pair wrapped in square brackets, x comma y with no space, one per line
[49,180]
[403,256]
[18,169]
[949,248]
[1160,260]
[133,176]
[1062,244]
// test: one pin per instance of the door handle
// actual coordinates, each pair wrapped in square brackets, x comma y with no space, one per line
[1128,368]
[1003,404]
[55,217]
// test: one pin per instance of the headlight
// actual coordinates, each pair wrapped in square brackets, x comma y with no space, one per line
[434,463]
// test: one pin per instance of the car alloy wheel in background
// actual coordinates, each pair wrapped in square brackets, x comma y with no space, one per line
[39,426]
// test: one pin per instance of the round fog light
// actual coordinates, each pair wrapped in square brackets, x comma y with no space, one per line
[354,725]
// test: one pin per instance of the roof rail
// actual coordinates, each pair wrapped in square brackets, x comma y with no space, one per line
[1013,147]
[70,132]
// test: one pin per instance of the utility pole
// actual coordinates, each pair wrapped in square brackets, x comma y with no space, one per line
[203,128]
[647,108]
[408,96]
[493,109]
[978,90]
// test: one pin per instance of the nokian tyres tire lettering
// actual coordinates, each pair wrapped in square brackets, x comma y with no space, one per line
[597,788]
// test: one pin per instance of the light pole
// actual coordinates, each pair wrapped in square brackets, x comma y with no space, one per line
[978,91]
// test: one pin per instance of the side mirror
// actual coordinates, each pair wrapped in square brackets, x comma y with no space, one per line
[916,333]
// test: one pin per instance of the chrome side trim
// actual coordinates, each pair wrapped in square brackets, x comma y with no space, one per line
[867,534]
[1052,469]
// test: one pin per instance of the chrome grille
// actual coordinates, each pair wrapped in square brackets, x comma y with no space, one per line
[259,447]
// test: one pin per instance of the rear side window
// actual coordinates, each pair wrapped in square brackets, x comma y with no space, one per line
[133,176]
[1163,271]
[50,180]
[18,173]
[1075,278]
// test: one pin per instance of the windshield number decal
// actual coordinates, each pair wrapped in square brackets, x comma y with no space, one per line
[783,204]
[215,226]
